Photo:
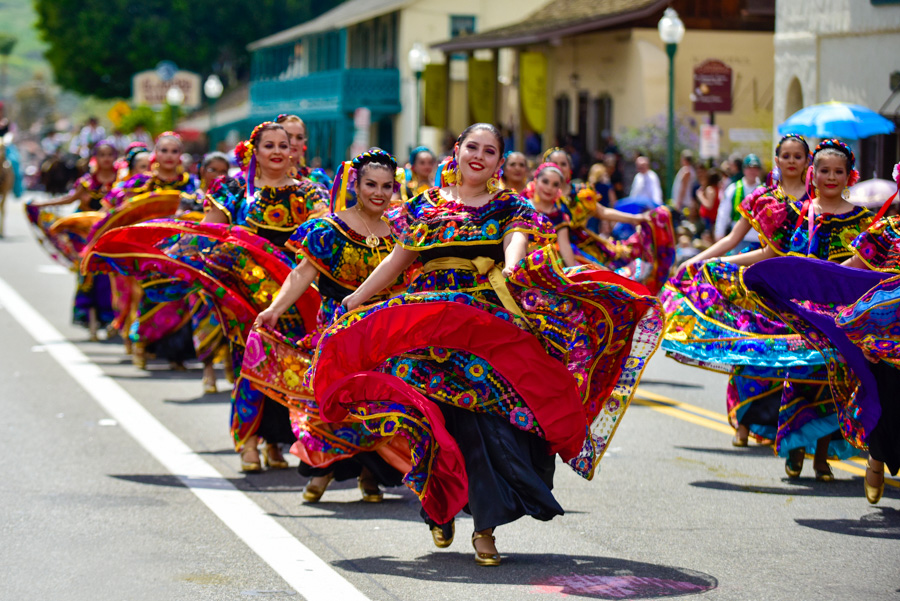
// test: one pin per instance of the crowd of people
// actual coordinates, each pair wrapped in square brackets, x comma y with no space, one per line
[378,321]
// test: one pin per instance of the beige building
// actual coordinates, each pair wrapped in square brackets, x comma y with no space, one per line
[607,68]
[845,50]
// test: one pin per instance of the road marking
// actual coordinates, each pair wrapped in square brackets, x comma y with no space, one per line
[719,422]
[302,569]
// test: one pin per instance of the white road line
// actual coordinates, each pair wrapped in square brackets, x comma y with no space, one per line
[302,569]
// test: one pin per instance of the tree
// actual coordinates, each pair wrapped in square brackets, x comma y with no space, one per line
[7,43]
[97,45]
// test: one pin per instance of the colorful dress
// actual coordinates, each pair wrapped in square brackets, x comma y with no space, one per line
[843,311]
[344,260]
[484,378]
[715,323]
[646,256]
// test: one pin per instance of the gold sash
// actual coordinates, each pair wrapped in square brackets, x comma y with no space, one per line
[483,266]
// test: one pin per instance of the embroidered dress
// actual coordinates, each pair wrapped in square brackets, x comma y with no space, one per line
[466,363]
[646,256]
[713,322]
[143,183]
[344,260]
[843,311]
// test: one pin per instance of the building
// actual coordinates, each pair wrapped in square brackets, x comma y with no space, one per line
[585,69]
[345,73]
[840,50]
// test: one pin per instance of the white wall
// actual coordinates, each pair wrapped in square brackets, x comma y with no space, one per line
[838,50]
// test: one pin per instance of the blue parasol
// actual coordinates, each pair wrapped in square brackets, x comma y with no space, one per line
[836,120]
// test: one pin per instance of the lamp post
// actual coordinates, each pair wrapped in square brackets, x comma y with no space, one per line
[213,89]
[418,58]
[671,31]
[174,98]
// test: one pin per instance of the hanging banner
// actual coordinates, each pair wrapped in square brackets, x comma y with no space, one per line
[436,95]
[482,90]
[533,89]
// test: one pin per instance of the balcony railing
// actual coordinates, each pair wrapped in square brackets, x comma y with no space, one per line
[329,93]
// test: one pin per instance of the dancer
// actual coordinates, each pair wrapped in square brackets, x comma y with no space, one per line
[93,307]
[713,321]
[316,195]
[850,315]
[272,204]
[337,252]
[753,402]
[165,173]
[515,172]
[440,354]
[420,175]
[646,257]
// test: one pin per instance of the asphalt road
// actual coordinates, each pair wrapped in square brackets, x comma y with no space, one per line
[91,511]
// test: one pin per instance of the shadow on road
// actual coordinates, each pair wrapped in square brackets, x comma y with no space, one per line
[804,487]
[884,523]
[646,382]
[218,398]
[752,450]
[552,574]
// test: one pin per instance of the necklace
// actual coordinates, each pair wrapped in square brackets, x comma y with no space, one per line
[371,240]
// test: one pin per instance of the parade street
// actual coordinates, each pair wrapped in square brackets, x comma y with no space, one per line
[123,484]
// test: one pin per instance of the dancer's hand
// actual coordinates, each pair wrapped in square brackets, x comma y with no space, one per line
[268,318]
[351,302]
[508,271]
[870,357]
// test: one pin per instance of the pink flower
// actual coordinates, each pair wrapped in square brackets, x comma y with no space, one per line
[254,353]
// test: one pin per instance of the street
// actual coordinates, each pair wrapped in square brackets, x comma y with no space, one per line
[122,484]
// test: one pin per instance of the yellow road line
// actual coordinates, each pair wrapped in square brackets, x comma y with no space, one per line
[719,422]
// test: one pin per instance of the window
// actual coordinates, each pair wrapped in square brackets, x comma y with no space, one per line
[562,115]
[461,25]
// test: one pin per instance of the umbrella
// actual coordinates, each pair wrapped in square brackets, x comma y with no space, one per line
[873,193]
[836,120]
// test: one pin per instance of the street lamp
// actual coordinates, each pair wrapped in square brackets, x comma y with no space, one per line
[418,58]
[671,31]
[174,98]
[213,89]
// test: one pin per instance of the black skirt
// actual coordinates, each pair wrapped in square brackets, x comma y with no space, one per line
[510,472]
[884,441]
[347,469]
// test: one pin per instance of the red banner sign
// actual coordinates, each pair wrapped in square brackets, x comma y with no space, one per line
[712,87]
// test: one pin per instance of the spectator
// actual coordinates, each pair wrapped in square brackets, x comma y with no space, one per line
[140,135]
[735,193]
[598,178]
[120,140]
[685,181]
[646,182]
[90,134]
[616,178]
[708,196]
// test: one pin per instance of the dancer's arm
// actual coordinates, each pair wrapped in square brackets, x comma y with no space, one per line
[67,199]
[294,286]
[216,215]
[515,247]
[384,275]
[855,262]
[565,247]
[725,245]
[619,216]
[754,256]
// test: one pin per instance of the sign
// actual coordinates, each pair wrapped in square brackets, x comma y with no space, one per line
[118,111]
[147,87]
[709,141]
[748,135]
[436,95]
[482,90]
[712,87]
[533,89]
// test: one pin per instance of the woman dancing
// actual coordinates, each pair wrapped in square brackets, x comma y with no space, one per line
[338,252]
[441,352]
[713,321]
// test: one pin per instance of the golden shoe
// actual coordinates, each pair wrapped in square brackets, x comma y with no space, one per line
[273,459]
[485,559]
[250,466]
[139,358]
[873,493]
[312,494]
[441,541]
[793,465]
[825,475]
[738,442]
[370,491]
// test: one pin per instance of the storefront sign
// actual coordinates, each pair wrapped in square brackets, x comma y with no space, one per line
[712,87]
[147,87]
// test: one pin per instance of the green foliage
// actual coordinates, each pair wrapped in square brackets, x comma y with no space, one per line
[7,43]
[35,102]
[152,121]
[97,45]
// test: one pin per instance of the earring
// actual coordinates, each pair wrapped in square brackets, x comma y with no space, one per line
[845,193]
[493,185]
